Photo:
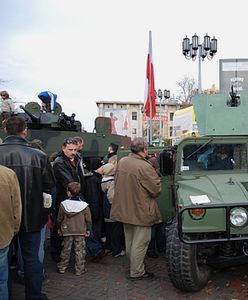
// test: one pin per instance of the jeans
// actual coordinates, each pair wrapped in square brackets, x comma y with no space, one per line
[41,252]
[4,271]
[93,245]
[33,268]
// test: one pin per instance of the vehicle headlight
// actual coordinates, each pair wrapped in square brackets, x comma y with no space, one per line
[238,216]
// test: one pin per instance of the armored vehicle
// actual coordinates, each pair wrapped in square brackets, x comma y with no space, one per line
[205,193]
[52,127]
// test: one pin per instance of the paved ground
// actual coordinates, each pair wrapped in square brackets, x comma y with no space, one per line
[107,280]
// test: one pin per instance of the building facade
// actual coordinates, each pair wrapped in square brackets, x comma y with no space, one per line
[128,118]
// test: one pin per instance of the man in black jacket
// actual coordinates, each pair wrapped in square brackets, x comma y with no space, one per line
[35,176]
[67,169]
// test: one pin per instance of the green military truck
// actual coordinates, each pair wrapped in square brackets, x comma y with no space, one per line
[205,193]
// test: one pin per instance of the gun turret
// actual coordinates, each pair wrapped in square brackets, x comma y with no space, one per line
[33,118]
[67,122]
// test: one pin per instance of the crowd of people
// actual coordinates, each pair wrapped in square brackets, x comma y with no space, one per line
[97,206]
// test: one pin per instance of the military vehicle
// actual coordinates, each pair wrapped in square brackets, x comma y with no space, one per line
[52,127]
[205,193]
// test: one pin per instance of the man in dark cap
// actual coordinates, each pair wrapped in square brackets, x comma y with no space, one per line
[112,150]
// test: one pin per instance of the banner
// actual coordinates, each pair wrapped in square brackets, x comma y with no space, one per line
[119,120]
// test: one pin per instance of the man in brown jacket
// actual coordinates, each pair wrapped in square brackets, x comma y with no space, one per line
[10,220]
[137,186]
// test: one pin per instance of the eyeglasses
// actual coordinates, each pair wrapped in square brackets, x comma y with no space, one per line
[69,141]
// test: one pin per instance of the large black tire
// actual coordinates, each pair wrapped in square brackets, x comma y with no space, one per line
[185,270]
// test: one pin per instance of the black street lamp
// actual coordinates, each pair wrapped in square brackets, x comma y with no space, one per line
[161,95]
[205,50]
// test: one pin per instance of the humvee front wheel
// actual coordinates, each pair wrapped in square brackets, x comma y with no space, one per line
[186,270]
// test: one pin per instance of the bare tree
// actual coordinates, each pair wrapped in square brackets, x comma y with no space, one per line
[187,89]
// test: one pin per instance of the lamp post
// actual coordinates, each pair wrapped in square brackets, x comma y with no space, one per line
[207,49]
[161,95]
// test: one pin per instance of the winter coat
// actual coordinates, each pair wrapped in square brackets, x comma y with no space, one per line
[74,217]
[8,105]
[137,186]
[10,206]
[65,173]
[94,195]
[108,178]
[35,176]
[108,169]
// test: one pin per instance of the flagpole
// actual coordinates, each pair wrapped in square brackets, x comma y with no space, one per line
[150,131]
[150,95]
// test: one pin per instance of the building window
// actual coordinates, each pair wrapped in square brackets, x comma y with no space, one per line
[171,116]
[134,131]
[134,116]
[171,130]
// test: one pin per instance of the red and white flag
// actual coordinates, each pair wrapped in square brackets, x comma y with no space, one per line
[150,98]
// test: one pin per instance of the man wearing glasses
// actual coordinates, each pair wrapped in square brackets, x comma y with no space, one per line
[68,168]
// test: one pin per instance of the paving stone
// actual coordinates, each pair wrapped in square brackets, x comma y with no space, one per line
[107,280]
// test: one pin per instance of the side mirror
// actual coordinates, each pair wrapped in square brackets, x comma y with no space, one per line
[166,162]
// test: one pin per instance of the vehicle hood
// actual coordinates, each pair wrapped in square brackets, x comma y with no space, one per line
[213,189]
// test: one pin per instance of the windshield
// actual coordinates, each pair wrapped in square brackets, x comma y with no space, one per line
[213,156]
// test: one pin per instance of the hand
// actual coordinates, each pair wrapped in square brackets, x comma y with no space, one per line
[87,233]
[99,170]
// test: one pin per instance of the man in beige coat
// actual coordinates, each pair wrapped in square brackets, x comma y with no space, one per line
[10,220]
[137,186]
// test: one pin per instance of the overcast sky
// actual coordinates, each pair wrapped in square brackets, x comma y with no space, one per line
[93,50]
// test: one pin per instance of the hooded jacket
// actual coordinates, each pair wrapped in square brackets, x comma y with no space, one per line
[74,217]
